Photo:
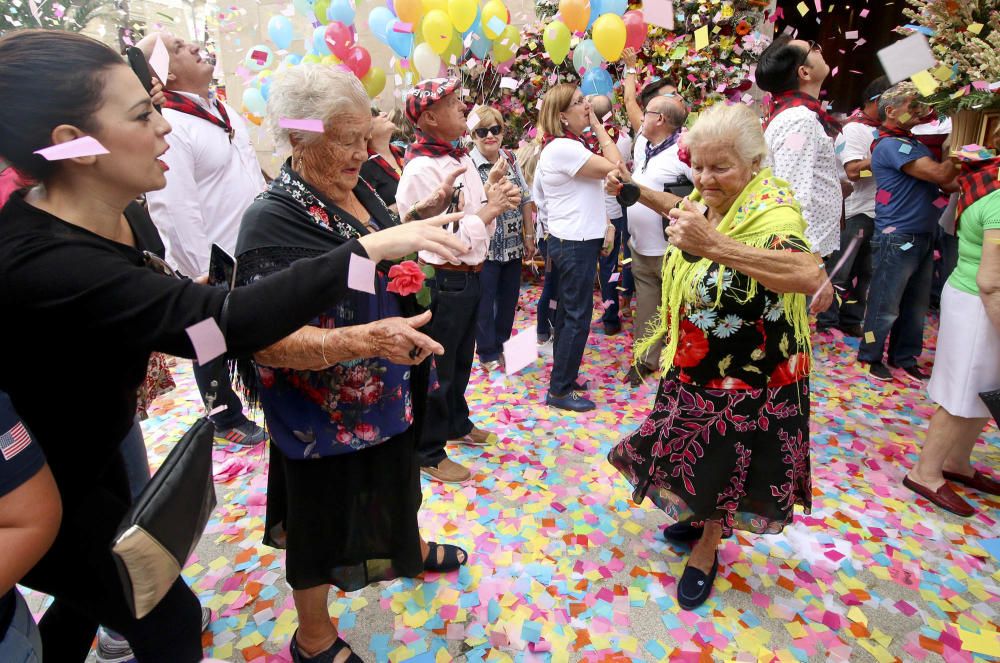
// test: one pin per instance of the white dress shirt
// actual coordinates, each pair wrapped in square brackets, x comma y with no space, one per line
[855,144]
[645,226]
[211,182]
[422,175]
[812,170]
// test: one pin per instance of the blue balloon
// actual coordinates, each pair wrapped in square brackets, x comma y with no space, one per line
[480,45]
[595,11]
[319,41]
[596,81]
[279,29]
[380,21]
[293,59]
[476,24]
[265,90]
[340,10]
[400,42]
[618,7]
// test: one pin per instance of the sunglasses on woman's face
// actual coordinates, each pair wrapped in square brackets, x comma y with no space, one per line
[483,132]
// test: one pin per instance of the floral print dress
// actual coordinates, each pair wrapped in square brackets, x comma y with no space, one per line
[728,437]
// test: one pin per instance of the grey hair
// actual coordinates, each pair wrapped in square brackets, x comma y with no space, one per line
[312,92]
[733,124]
[896,97]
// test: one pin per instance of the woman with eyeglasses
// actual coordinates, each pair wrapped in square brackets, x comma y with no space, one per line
[513,239]
[569,175]
[74,282]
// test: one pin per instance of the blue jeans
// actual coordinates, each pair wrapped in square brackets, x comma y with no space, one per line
[575,262]
[133,451]
[550,284]
[500,286]
[608,264]
[21,643]
[899,297]
[947,245]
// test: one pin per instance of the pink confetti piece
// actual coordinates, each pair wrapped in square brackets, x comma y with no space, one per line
[260,57]
[520,352]
[883,197]
[314,126]
[86,146]
[159,61]
[361,274]
[406,28]
[207,339]
[659,13]
[863,13]
[794,141]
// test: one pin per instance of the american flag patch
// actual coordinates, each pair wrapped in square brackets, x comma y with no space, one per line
[14,441]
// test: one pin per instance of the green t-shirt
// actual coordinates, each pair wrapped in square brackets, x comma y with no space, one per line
[980,216]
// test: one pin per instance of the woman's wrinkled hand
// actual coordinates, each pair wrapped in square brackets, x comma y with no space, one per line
[690,230]
[424,235]
[398,340]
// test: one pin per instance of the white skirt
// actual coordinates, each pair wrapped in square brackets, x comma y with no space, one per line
[967,360]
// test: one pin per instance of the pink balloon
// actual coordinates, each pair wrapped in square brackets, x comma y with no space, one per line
[635,29]
[339,39]
[359,60]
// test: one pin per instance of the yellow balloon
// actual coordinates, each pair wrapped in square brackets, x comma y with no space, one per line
[435,4]
[437,30]
[374,81]
[506,45]
[609,36]
[493,9]
[556,40]
[312,58]
[409,11]
[456,47]
[575,14]
[463,13]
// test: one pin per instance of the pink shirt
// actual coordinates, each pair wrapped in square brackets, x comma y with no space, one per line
[10,182]
[422,175]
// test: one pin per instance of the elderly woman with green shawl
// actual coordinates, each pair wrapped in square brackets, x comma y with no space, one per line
[726,445]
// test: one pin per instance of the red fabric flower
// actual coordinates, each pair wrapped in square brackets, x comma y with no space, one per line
[406,278]
[692,346]
[789,371]
[683,154]
[727,382]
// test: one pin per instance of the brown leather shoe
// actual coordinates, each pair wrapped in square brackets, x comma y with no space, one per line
[944,497]
[984,483]
[477,437]
[447,471]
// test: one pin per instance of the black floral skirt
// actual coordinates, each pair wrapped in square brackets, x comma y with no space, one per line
[347,520]
[737,456]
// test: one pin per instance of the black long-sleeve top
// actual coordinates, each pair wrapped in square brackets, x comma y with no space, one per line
[82,314]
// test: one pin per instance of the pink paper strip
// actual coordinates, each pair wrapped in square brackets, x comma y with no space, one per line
[316,126]
[81,147]
[361,274]
[207,339]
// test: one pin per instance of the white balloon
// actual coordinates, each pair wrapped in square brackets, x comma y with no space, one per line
[426,61]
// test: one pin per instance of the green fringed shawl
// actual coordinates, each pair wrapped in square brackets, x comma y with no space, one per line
[765,209]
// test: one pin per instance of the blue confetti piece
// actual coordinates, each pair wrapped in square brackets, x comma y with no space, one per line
[992,546]
[496,25]
[531,631]
[906,247]
[493,611]
[905,148]
[346,621]
[657,650]
[426,657]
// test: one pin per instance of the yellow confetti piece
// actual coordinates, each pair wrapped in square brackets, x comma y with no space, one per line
[869,337]
[855,615]
[983,643]
[701,38]
[975,28]
[803,8]
[865,173]
[942,73]
[925,83]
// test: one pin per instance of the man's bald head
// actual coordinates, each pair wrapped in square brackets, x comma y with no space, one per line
[672,110]
[601,105]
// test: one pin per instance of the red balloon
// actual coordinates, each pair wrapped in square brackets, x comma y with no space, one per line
[635,29]
[339,39]
[359,60]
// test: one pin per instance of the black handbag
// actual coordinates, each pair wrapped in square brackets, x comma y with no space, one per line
[161,530]
[992,401]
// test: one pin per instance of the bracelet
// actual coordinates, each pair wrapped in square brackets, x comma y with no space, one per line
[322,347]
[630,71]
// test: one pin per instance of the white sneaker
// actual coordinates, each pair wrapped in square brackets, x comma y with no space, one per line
[545,349]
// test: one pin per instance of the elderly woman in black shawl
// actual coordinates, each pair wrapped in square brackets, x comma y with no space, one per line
[343,397]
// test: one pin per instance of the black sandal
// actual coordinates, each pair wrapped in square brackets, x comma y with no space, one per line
[449,560]
[327,656]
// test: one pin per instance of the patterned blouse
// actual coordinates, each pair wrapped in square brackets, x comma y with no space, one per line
[507,243]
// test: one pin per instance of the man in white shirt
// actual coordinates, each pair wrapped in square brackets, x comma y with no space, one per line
[213,177]
[656,166]
[799,133]
[432,164]
[854,149]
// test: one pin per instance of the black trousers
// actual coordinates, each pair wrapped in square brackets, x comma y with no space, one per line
[454,310]
[80,573]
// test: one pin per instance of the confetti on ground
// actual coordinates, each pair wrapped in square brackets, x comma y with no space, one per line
[564,567]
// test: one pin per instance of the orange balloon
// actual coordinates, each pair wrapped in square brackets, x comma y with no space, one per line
[575,14]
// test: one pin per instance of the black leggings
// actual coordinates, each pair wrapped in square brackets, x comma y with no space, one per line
[80,573]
